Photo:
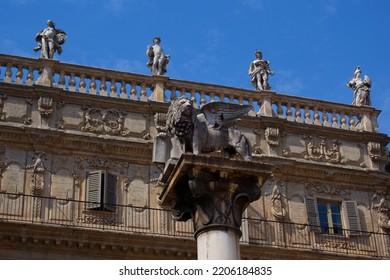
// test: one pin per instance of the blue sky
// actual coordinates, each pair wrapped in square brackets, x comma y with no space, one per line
[313,46]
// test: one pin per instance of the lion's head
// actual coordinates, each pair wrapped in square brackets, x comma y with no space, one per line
[180,118]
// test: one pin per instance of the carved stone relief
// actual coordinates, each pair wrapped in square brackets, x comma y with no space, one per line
[327,189]
[45,109]
[104,121]
[38,168]
[321,150]
[101,163]
[279,201]
[2,100]
[381,204]
[272,136]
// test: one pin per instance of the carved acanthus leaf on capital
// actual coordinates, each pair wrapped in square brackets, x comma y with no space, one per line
[215,199]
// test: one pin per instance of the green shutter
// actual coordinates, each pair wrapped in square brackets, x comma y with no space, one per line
[312,213]
[351,216]
[94,190]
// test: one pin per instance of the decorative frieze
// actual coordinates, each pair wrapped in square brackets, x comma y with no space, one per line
[101,163]
[320,150]
[104,121]
[326,189]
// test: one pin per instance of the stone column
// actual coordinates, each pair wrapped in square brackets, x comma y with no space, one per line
[214,193]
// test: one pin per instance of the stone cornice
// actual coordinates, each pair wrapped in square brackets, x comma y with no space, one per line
[92,244]
[348,177]
[52,140]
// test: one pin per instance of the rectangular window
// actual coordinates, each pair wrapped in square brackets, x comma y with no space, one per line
[332,217]
[101,191]
[329,214]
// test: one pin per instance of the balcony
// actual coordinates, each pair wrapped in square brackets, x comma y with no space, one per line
[261,234]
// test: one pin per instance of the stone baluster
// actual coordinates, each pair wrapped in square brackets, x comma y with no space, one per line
[335,120]
[83,84]
[307,115]
[289,113]
[72,82]
[113,88]
[343,121]
[30,76]
[173,94]
[316,117]
[250,103]
[61,80]
[183,92]
[123,94]
[352,125]
[202,98]
[19,75]
[222,97]
[231,98]
[325,119]
[298,114]
[280,110]
[193,98]
[143,93]
[92,86]
[8,73]
[133,91]
[241,100]
[103,87]
[212,96]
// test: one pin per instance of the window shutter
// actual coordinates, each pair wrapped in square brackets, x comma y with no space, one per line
[94,189]
[110,192]
[312,213]
[351,217]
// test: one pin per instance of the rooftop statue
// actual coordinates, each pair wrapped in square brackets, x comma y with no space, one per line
[50,40]
[211,130]
[157,59]
[361,89]
[259,71]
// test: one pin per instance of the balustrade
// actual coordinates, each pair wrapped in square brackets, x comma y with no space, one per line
[130,86]
[22,208]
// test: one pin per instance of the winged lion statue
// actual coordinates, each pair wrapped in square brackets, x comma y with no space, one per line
[213,129]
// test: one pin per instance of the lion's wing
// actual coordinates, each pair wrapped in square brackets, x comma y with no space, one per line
[221,114]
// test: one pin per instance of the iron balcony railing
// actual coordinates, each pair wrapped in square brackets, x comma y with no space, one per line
[159,222]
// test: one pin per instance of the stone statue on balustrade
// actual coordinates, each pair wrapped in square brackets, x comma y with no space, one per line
[361,89]
[259,70]
[210,131]
[157,59]
[50,40]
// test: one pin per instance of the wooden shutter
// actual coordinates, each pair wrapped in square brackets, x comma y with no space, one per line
[312,214]
[351,217]
[94,190]
[110,192]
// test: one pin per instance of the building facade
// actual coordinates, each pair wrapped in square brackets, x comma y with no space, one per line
[78,179]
